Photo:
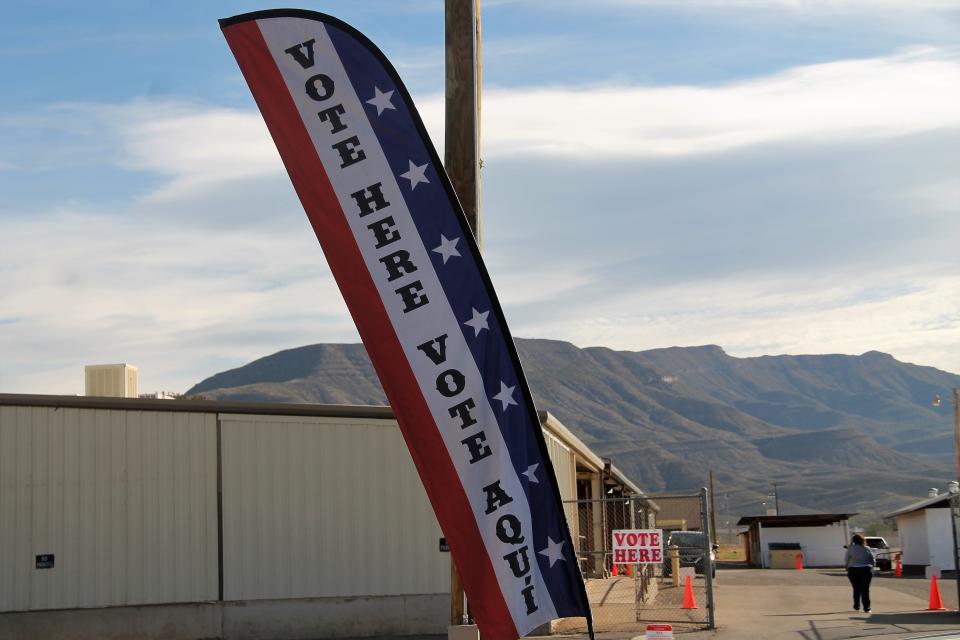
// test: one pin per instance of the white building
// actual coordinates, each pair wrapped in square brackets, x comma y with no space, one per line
[232,520]
[926,533]
[161,395]
[820,536]
[110,380]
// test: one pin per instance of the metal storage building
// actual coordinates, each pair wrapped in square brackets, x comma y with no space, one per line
[820,537]
[232,520]
[926,532]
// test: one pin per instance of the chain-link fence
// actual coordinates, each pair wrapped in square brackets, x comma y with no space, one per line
[627,597]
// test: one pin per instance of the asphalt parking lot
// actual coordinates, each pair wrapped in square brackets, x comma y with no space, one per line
[814,604]
[817,605]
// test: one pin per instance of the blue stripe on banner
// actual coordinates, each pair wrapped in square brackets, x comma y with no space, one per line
[452,250]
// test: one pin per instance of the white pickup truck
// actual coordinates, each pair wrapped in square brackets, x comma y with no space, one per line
[881,551]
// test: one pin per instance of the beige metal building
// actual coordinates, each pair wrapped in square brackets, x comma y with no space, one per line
[232,520]
[110,380]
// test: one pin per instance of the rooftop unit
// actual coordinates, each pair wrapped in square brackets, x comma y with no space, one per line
[110,380]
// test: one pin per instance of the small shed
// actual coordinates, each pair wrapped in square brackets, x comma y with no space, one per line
[820,537]
[926,533]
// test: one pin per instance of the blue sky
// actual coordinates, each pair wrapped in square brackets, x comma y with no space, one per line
[773,176]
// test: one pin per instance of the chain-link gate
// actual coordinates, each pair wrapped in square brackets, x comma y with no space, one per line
[626,597]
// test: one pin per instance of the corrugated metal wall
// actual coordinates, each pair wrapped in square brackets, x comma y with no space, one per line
[126,500]
[316,507]
[565,467]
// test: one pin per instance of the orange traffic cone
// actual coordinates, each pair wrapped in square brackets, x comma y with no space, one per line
[898,571]
[627,571]
[688,601]
[936,603]
[799,564]
[613,571]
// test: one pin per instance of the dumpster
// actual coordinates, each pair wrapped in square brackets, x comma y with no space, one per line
[783,555]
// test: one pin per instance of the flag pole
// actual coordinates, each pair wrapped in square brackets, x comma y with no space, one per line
[461,151]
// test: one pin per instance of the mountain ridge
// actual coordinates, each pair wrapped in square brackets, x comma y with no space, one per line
[837,432]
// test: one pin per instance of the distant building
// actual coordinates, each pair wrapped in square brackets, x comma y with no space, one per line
[161,395]
[926,533]
[819,537]
[678,514]
[110,380]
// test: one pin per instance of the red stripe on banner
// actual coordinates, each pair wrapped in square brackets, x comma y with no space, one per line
[423,439]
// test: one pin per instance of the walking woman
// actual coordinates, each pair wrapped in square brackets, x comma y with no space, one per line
[860,562]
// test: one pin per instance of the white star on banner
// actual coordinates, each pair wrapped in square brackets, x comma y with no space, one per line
[554,551]
[416,174]
[531,473]
[447,248]
[478,322]
[381,100]
[505,397]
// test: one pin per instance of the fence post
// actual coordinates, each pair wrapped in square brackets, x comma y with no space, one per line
[954,514]
[708,549]
[675,565]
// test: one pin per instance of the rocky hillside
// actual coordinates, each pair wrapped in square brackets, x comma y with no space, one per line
[836,432]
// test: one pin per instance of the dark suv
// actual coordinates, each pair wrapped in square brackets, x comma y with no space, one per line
[691,546]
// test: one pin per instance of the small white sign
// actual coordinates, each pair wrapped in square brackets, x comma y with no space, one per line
[659,632]
[932,571]
[688,571]
[638,546]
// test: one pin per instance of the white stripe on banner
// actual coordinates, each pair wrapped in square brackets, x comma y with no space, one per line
[415,328]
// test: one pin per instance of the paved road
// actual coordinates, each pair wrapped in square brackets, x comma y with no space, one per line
[816,605]
[766,604]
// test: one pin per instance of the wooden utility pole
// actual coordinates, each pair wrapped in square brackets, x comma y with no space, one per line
[462,153]
[462,130]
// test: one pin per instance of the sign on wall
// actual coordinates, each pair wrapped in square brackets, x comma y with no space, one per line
[638,546]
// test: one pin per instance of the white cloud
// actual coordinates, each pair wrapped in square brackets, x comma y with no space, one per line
[217,265]
[194,144]
[909,92]
[917,321]
[901,94]
[80,287]
[797,5]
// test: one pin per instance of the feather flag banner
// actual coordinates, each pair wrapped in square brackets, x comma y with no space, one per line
[399,247]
